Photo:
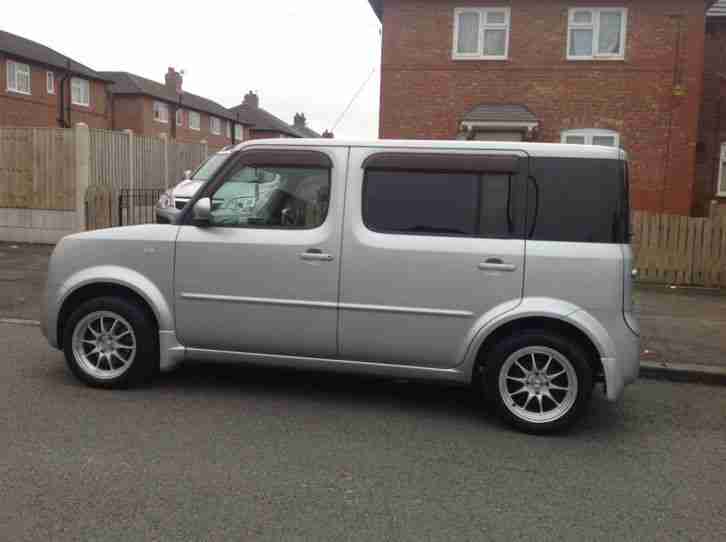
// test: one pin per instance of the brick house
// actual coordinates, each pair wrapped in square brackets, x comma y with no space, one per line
[151,108]
[41,87]
[614,72]
[266,125]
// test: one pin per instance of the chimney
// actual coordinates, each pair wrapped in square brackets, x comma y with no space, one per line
[251,100]
[328,134]
[300,120]
[173,80]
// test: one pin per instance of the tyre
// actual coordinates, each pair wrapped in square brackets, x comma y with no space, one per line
[111,342]
[540,382]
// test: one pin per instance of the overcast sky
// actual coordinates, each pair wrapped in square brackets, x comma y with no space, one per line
[298,55]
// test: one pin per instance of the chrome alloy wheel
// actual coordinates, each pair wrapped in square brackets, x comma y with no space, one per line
[104,345]
[538,384]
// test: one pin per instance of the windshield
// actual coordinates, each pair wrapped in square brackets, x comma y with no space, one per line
[208,168]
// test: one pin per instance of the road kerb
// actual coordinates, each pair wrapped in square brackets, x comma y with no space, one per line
[19,322]
[683,372]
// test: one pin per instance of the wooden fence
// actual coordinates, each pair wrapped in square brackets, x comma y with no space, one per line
[37,168]
[124,160]
[680,250]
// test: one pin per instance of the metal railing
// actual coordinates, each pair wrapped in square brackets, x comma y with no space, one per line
[137,205]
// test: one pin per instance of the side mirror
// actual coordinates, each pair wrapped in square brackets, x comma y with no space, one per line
[187,174]
[202,210]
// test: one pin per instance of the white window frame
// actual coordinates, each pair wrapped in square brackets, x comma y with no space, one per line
[483,26]
[160,107]
[721,190]
[195,115]
[179,116]
[594,25]
[84,83]
[589,134]
[50,82]
[239,133]
[215,125]
[12,83]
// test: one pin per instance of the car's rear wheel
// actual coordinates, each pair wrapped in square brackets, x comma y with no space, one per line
[539,381]
[111,342]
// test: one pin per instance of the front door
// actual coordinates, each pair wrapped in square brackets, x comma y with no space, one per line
[432,243]
[263,275]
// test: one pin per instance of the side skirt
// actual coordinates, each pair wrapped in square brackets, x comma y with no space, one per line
[327,364]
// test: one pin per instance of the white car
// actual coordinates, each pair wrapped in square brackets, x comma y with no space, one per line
[174,199]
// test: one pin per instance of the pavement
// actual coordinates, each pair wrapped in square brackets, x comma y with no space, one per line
[683,330]
[237,453]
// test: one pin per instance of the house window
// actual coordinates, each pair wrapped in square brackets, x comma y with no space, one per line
[481,33]
[161,112]
[589,136]
[215,125]
[238,134]
[50,82]
[80,92]
[179,117]
[228,129]
[595,34]
[722,172]
[18,76]
[194,120]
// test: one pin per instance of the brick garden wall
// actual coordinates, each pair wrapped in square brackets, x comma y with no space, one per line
[651,98]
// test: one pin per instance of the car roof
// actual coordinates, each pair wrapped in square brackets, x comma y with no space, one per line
[558,150]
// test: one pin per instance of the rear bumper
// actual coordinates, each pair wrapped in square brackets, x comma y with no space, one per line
[623,368]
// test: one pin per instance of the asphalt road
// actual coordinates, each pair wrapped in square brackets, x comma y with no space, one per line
[236,453]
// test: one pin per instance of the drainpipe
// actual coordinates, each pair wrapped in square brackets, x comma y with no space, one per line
[62,97]
[675,88]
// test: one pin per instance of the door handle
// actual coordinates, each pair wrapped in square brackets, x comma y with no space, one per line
[316,255]
[496,264]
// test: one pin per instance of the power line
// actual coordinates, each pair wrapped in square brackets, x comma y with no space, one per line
[355,96]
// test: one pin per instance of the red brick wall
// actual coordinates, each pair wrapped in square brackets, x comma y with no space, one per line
[40,109]
[424,93]
[712,127]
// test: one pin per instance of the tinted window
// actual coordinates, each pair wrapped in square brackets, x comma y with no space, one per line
[433,203]
[272,197]
[578,199]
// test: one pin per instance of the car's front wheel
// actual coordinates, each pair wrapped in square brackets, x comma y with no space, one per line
[111,342]
[540,382]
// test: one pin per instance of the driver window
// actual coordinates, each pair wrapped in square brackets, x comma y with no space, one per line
[272,197]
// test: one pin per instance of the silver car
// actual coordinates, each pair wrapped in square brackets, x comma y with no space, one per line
[506,266]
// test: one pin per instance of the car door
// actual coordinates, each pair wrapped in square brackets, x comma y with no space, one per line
[432,242]
[263,275]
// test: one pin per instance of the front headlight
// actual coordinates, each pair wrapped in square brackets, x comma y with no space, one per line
[166,200]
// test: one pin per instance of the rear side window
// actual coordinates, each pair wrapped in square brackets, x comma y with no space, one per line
[439,203]
[578,200]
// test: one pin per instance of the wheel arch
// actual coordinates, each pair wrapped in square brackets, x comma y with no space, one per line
[555,315]
[109,282]
[547,323]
